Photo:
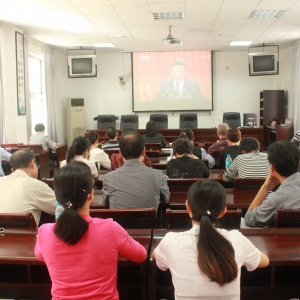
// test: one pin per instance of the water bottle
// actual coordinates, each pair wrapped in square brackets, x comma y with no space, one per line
[59,209]
[228,161]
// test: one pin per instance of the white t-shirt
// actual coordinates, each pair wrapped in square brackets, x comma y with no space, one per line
[99,156]
[178,252]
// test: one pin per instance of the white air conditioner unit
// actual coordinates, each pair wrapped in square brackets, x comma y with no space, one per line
[75,119]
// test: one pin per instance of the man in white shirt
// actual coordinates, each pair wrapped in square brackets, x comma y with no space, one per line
[22,192]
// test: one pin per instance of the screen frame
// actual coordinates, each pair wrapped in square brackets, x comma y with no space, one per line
[173,110]
[76,75]
[261,73]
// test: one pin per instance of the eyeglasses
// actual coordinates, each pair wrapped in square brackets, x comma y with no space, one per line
[37,164]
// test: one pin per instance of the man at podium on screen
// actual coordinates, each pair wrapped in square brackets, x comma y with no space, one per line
[178,87]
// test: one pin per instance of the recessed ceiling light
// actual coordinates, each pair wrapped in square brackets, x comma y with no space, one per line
[267,14]
[168,16]
[241,43]
[104,45]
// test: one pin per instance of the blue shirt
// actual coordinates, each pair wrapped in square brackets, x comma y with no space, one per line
[6,155]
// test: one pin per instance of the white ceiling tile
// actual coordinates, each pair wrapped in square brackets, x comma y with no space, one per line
[129,9]
[103,17]
[280,5]
[234,15]
[227,22]
[239,6]
[109,25]
[200,15]
[95,10]
[291,15]
[90,2]
[258,21]
[178,7]
[148,16]
[203,6]
[114,2]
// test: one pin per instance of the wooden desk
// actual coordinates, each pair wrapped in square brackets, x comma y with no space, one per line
[281,245]
[208,134]
[61,154]
[22,275]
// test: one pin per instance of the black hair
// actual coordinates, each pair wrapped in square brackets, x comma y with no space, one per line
[21,159]
[72,185]
[233,135]
[284,156]
[131,145]
[249,144]
[39,127]
[207,200]
[92,136]
[79,145]
[111,132]
[187,133]
[178,62]
[151,129]
[183,146]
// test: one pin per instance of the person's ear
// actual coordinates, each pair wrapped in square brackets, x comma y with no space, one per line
[244,151]
[144,151]
[188,208]
[117,134]
[91,195]
[222,213]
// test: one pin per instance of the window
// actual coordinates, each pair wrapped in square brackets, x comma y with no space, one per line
[37,96]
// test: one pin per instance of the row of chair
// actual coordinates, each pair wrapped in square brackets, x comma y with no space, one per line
[186,120]
[146,218]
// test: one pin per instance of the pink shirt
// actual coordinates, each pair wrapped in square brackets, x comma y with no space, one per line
[88,269]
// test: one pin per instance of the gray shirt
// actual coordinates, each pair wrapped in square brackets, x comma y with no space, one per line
[42,139]
[6,155]
[287,196]
[134,185]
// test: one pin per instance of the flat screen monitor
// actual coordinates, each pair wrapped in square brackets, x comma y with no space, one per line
[172,81]
[249,119]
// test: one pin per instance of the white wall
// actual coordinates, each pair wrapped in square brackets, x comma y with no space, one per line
[233,90]
[15,124]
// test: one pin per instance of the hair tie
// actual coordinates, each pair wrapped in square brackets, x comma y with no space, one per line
[207,213]
[69,204]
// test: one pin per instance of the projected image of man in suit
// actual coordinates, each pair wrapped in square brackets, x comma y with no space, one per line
[178,87]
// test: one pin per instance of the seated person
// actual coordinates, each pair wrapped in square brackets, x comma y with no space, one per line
[6,155]
[205,262]
[197,151]
[117,160]
[296,138]
[284,159]
[134,185]
[233,137]
[152,135]
[251,163]
[22,192]
[80,151]
[184,164]
[80,252]
[96,154]
[112,135]
[222,142]
[40,138]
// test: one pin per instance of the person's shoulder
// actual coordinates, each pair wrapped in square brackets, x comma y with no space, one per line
[46,229]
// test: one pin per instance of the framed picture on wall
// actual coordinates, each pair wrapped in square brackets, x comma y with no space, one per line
[21,100]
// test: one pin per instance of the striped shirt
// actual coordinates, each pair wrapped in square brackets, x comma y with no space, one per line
[254,164]
[286,196]
[296,138]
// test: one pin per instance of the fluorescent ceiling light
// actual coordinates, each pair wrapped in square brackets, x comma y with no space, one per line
[104,45]
[267,14]
[241,43]
[168,16]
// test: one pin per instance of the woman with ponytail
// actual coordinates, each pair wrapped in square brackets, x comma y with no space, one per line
[79,151]
[206,262]
[81,253]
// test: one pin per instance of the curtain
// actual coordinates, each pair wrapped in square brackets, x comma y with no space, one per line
[296,89]
[50,95]
[2,112]
[27,92]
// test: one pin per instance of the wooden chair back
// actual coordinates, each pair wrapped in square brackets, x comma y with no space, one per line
[180,219]
[23,220]
[34,147]
[287,218]
[5,145]
[152,153]
[247,183]
[207,145]
[128,218]
[153,146]
[216,153]
[110,151]
[49,182]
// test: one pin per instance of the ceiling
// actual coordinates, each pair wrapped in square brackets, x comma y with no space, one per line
[130,26]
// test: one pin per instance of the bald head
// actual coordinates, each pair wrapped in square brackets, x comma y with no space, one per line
[131,145]
[222,129]
[21,159]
